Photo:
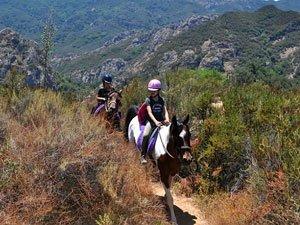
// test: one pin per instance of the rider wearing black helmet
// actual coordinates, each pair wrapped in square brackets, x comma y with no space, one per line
[105,89]
[103,93]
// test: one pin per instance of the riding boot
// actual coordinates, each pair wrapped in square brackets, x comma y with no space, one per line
[144,149]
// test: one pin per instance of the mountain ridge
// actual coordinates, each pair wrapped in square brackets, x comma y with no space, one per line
[226,43]
[86,25]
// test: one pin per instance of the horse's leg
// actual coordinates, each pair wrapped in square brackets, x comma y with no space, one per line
[166,179]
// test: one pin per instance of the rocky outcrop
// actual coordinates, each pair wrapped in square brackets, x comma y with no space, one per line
[220,56]
[120,37]
[23,56]
[162,35]
[189,59]
[168,60]
[149,42]
[156,39]
[110,66]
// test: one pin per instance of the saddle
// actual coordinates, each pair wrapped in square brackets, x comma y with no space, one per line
[152,139]
[97,109]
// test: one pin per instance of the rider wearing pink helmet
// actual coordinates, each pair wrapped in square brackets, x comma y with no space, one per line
[157,114]
[154,85]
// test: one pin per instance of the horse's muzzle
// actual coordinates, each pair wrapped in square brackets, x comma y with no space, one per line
[187,155]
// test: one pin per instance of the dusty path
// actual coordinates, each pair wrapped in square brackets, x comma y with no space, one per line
[185,210]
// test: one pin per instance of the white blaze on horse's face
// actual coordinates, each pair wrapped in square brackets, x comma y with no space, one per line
[112,102]
[182,135]
[187,155]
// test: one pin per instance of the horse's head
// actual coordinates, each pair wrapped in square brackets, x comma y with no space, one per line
[114,101]
[181,136]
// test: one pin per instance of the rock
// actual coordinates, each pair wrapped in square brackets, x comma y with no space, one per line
[168,60]
[113,65]
[189,59]
[164,34]
[121,37]
[23,56]
[289,52]
[140,40]
[110,66]
[212,61]
[220,56]
[207,46]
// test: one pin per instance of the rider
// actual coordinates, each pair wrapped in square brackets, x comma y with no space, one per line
[104,91]
[157,114]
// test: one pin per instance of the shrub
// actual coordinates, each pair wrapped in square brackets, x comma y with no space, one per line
[60,166]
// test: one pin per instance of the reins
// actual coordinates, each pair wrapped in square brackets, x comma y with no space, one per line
[158,128]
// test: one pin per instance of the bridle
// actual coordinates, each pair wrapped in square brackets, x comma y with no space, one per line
[178,149]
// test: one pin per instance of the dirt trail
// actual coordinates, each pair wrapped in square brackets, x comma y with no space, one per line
[185,209]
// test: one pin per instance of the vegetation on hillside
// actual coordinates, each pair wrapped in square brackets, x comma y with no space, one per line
[60,166]
[264,44]
[54,170]
[251,150]
[86,25]
[259,39]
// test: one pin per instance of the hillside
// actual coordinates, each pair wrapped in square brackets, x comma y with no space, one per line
[61,166]
[266,41]
[86,25]
[247,153]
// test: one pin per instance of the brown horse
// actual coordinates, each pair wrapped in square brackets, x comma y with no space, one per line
[109,111]
[171,147]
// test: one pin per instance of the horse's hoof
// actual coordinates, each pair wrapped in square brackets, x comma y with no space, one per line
[174,221]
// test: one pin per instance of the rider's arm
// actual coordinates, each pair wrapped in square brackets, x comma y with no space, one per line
[101,98]
[101,95]
[151,115]
[167,119]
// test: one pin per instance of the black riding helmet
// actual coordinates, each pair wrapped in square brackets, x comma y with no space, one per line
[107,79]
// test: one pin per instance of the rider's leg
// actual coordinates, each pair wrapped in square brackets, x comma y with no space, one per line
[146,136]
[94,108]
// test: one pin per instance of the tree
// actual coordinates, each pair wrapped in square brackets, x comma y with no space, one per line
[47,39]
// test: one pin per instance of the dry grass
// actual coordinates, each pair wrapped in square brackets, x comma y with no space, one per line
[273,206]
[59,166]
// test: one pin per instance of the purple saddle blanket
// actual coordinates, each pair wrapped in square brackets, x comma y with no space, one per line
[98,109]
[152,139]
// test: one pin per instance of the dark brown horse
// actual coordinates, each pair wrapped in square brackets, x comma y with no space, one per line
[110,110]
[171,147]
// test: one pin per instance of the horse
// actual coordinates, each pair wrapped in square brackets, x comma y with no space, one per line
[171,147]
[110,110]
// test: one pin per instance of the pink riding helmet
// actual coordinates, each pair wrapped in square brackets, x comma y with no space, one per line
[154,85]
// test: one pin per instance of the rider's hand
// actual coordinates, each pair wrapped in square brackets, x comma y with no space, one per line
[158,124]
[167,122]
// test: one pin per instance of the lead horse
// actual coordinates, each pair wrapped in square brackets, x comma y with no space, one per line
[172,145]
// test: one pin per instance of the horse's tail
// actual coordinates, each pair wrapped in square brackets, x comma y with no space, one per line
[131,113]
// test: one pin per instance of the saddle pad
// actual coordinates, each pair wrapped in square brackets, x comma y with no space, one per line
[152,140]
[99,108]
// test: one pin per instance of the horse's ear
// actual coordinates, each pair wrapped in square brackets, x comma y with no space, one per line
[120,93]
[174,120]
[186,120]
[174,126]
